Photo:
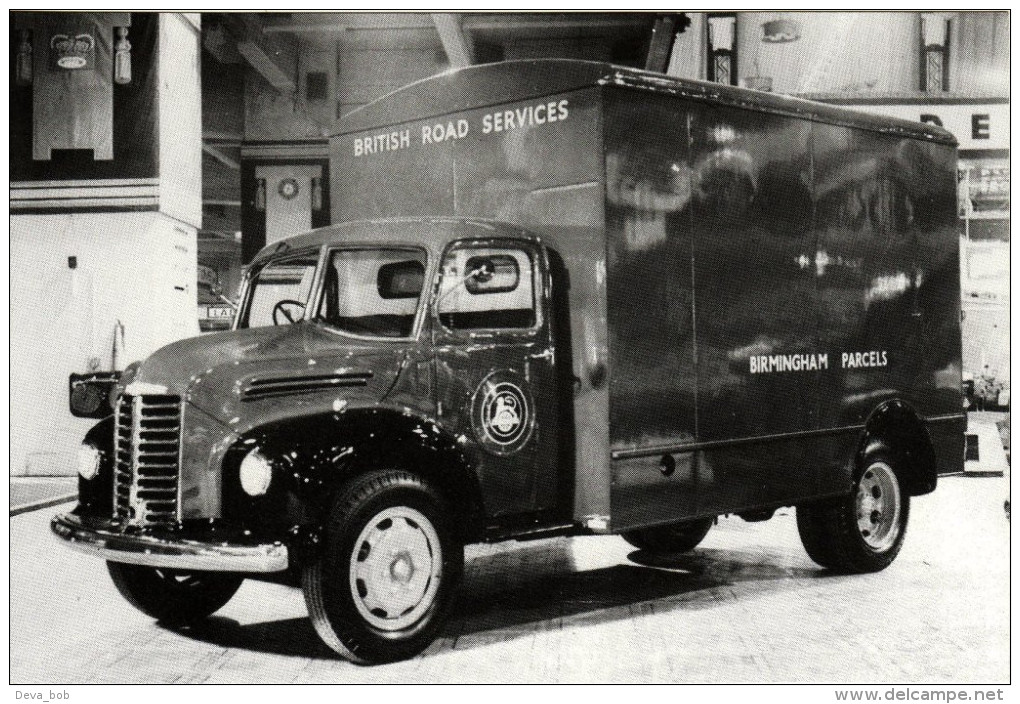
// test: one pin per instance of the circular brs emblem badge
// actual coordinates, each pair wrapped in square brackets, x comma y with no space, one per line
[503,413]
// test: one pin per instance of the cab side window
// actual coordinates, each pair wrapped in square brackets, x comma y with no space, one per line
[488,288]
[373,292]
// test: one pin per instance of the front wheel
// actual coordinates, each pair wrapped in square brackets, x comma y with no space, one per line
[864,531]
[390,567]
[173,596]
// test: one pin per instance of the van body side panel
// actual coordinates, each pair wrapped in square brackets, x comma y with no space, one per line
[825,282]
[888,264]
[650,290]
[759,362]
[937,390]
[536,163]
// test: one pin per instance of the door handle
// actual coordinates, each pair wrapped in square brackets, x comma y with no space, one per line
[549,354]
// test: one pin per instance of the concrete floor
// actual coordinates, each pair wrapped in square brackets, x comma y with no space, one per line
[746,606]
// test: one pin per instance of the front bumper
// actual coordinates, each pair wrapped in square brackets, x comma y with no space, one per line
[106,539]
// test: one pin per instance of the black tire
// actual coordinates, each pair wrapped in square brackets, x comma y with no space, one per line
[863,531]
[173,596]
[389,570]
[675,538]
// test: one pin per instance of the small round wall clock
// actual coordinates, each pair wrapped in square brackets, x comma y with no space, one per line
[288,188]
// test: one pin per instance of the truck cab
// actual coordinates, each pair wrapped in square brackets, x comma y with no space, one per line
[420,353]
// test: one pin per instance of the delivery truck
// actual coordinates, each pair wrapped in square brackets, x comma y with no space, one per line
[561,298]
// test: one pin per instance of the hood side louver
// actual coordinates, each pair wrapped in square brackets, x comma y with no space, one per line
[259,388]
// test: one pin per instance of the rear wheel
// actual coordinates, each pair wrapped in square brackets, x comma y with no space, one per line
[390,567]
[173,596]
[863,531]
[676,538]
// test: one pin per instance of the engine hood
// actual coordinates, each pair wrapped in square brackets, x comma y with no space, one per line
[240,377]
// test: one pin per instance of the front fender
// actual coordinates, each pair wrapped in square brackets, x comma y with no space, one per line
[314,455]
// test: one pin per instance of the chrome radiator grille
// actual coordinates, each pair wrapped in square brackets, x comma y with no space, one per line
[146,472]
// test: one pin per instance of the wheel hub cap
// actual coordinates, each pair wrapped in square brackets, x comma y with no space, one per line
[878,507]
[402,568]
[396,565]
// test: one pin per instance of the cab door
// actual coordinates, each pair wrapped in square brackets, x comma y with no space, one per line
[496,381]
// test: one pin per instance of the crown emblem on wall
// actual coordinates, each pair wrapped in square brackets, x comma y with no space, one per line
[74,52]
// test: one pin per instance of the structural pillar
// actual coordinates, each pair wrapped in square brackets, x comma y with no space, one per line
[105,162]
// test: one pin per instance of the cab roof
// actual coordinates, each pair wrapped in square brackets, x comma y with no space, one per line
[511,81]
[432,233]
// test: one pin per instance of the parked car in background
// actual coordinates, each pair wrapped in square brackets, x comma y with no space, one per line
[215,311]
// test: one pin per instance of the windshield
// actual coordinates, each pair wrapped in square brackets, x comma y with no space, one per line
[279,291]
[373,292]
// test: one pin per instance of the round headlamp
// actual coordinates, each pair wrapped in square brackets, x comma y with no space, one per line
[256,474]
[88,461]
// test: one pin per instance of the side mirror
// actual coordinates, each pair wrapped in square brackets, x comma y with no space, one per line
[89,395]
[484,271]
[497,273]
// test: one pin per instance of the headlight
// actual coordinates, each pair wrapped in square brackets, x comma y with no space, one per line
[88,461]
[256,473]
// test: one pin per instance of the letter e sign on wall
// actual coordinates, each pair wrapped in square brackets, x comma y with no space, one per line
[72,80]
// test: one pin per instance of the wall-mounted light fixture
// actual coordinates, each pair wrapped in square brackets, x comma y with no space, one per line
[121,56]
[316,193]
[23,61]
[934,52]
[722,55]
[260,194]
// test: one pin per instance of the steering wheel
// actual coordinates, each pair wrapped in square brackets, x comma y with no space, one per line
[281,307]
